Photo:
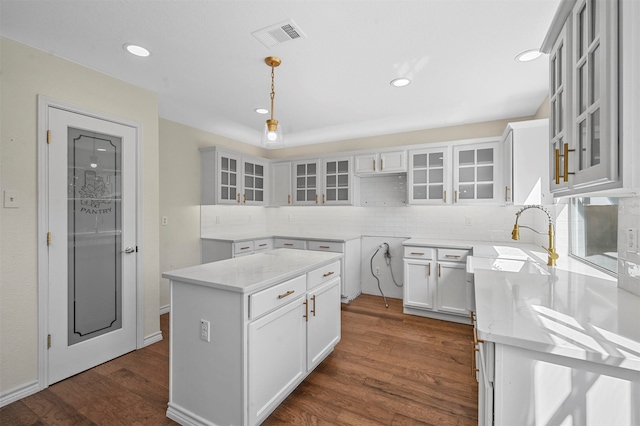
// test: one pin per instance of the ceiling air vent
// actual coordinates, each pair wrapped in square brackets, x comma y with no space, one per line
[279,33]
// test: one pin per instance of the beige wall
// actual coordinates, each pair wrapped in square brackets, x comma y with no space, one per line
[180,193]
[26,73]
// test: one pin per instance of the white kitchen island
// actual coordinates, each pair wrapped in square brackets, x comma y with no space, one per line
[561,347]
[246,331]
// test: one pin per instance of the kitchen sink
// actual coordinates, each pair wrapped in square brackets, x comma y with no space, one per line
[509,265]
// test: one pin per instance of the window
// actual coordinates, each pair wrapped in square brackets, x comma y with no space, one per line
[593,225]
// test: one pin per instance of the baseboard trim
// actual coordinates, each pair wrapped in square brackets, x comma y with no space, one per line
[19,393]
[187,418]
[154,338]
[165,309]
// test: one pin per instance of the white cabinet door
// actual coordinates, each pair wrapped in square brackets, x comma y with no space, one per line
[452,288]
[307,181]
[366,163]
[281,184]
[277,357]
[254,175]
[419,281]
[323,326]
[393,162]
[475,177]
[337,180]
[229,178]
[429,176]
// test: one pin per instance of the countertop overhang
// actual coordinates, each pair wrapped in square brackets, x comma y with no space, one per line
[247,274]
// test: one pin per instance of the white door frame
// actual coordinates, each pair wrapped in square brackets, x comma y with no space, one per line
[43,212]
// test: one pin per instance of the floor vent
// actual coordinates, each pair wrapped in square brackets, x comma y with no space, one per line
[279,33]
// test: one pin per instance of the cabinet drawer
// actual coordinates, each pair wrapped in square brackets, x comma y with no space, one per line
[242,247]
[322,275]
[278,295]
[265,244]
[326,246]
[294,244]
[453,255]
[418,253]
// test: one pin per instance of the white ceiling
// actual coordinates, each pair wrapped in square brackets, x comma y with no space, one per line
[209,71]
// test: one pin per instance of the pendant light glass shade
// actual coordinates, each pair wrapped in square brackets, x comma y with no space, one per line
[272,135]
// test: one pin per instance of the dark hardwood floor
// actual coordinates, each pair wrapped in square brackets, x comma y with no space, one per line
[389,369]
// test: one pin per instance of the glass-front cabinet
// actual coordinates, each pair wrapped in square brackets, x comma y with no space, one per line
[230,178]
[454,174]
[337,181]
[306,181]
[429,176]
[583,88]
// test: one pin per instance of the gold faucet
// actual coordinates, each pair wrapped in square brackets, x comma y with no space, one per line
[515,234]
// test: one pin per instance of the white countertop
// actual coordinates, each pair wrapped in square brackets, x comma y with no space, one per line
[247,274]
[565,313]
[236,237]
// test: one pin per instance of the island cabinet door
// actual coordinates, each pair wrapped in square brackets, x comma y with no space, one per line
[277,357]
[323,326]
[419,277]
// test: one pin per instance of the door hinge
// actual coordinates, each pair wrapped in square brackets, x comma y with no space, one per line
[48,341]
[48,137]
[48,238]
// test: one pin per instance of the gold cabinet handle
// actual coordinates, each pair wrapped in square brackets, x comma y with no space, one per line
[287,244]
[474,368]
[429,270]
[566,162]
[328,274]
[313,310]
[455,197]
[316,198]
[475,336]
[472,317]
[262,245]
[374,164]
[289,199]
[238,198]
[557,165]
[245,248]
[288,293]
[506,193]
[439,270]
[417,253]
[323,198]
[452,256]
[325,247]
[381,164]
[306,310]
[444,197]
[245,198]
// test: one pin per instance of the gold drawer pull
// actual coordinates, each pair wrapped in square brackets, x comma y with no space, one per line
[287,244]
[289,199]
[313,310]
[452,256]
[417,253]
[244,248]
[306,310]
[325,247]
[288,293]
[374,164]
[429,270]
[557,163]
[444,197]
[506,193]
[328,273]
[262,245]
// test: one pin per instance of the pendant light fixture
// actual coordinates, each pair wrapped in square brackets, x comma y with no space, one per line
[272,135]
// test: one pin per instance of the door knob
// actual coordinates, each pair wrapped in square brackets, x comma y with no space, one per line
[129,250]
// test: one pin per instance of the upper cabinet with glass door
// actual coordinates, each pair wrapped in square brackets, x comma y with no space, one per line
[583,47]
[338,184]
[229,178]
[429,175]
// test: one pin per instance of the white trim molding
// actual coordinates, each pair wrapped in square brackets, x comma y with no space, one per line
[18,393]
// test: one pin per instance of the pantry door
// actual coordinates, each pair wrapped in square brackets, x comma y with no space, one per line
[92,251]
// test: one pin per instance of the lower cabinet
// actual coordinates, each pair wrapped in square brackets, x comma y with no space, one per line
[261,346]
[435,282]
[214,250]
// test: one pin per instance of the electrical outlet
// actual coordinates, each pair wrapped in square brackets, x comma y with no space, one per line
[632,240]
[467,221]
[205,330]
[165,221]
[377,271]
[217,219]
[11,199]
[289,218]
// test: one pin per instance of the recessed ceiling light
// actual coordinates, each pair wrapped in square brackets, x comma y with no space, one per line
[400,82]
[102,149]
[528,55]
[134,49]
[261,111]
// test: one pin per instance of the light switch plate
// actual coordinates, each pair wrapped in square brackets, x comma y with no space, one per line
[632,240]
[11,199]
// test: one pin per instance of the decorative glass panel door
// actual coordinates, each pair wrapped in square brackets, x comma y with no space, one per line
[306,182]
[475,173]
[94,234]
[92,251]
[429,176]
[229,184]
[253,182]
